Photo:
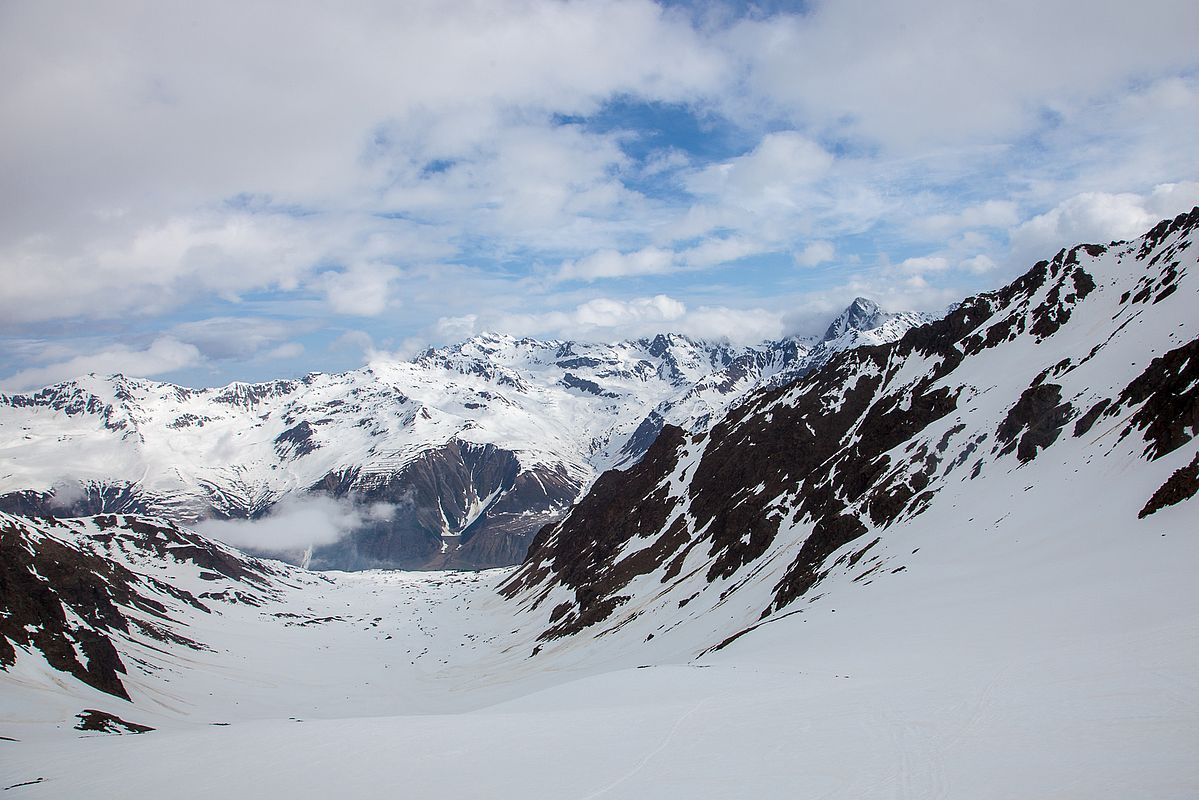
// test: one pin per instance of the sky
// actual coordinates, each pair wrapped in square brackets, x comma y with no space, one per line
[220,191]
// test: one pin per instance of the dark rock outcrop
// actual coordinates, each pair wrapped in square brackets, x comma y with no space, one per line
[462,505]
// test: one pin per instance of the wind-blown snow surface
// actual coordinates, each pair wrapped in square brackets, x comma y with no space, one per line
[495,435]
[1021,621]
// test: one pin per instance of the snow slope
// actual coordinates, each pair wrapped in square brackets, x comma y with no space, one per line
[979,671]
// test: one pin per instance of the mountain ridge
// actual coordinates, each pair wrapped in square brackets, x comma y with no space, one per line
[474,446]
[867,442]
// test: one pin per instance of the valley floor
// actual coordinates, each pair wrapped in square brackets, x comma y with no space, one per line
[985,670]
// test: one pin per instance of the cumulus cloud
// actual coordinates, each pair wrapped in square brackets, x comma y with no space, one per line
[606,313]
[711,252]
[978,264]
[1099,217]
[285,351]
[613,264]
[770,193]
[190,112]
[920,265]
[148,269]
[608,318]
[815,253]
[65,494]
[456,328]
[989,214]
[362,290]
[781,163]
[296,522]
[164,354]
[923,73]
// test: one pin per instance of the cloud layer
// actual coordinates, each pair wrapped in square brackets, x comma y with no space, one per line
[232,192]
[296,522]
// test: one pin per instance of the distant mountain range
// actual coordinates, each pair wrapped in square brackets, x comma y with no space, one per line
[464,452]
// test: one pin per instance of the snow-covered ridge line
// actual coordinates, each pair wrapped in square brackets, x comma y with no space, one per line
[522,424]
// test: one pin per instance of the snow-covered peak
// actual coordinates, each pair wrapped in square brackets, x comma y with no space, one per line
[861,315]
[521,424]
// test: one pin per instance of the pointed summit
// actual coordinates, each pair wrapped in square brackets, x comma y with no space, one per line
[861,315]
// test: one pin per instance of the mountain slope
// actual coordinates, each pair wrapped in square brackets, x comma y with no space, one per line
[466,450]
[1081,376]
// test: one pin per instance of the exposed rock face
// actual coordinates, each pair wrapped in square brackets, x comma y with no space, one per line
[104,722]
[41,582]
[861,315]
[65,593]
[461,505]
[874,435]
[1182,485]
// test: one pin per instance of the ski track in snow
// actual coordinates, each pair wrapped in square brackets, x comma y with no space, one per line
[648,757]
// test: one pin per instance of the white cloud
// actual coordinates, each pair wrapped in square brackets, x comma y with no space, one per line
[668,160]
[363,290]
[285,351]
[613,264]
[923,74]
[1172,199]
[606,313]
[148,270]
[924,264]
[235,337]
[989,214]
[815,253]
[157,161]
[738,325]
[407,349]
[718,251]
[456,328]
[295,523]
[712,252]
[978,264]
[609,319]
[781,163]
[188,111]
[164,354]
[1098,217]
[763,194]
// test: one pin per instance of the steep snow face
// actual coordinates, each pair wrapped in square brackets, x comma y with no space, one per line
[469,448]
[1071,393]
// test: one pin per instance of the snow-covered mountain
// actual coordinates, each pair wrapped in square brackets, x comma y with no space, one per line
[461,454]
[920,565]
[1067,401]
